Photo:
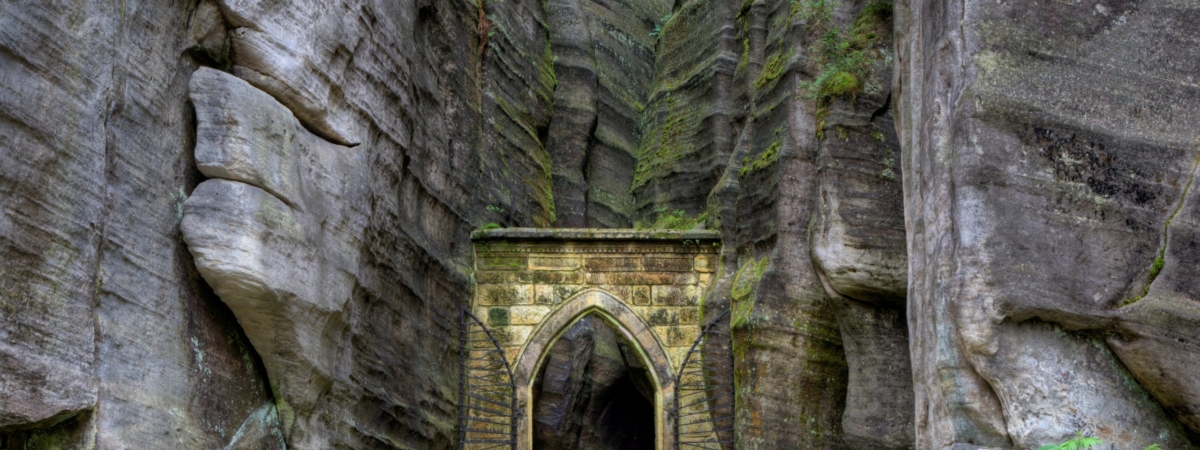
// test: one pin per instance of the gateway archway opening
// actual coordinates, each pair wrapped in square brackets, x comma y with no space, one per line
[592,391]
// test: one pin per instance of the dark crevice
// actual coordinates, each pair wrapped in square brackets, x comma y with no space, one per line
[587,156]
[1160,258]
[591,393]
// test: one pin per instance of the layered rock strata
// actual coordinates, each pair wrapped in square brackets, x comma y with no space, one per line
[1049,156]
[330,163]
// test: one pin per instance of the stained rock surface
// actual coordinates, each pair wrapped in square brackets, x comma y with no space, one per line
[947,224]
[1049,155]
[108,336]
[276,231]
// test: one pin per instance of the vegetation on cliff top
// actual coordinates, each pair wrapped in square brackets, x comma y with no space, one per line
[844,56]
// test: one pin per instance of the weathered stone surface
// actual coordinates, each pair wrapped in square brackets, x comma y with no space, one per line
[275,45]
[879,402]
[604,58]
[1050,151]
[688,135]
[242,134]
[858,233]
[103,314]
[1047,150]
[858,245]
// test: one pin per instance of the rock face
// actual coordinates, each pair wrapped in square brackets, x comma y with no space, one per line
[603,54]
[947,223]
[108,336]
[1049,155]
[276,231]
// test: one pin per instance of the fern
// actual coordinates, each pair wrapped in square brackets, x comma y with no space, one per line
[1080,442]
[658,27]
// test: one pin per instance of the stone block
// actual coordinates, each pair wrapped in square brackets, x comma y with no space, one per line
[596,278]
[497,317]
[668,264]
[640,278]
[554,294]
[641,295]
[495,277]
[676,354]
[512,335]
[503,263]
[675,296]
[686,279]
[543,294]
[565,291]
[689,315]
[677,336]
[550,277]
[511,354]
[704,263]
[528,315]
[553,263]
[621,292]
[501,295]
[660,316]
[614,264]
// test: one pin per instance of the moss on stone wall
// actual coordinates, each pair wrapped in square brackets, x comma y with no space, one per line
[745,283]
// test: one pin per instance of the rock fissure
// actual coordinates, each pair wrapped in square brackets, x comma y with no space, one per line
[1159,261]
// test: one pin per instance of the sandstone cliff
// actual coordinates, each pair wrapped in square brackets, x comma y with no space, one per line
[947,224]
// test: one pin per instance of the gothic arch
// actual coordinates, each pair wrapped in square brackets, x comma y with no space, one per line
[622,318]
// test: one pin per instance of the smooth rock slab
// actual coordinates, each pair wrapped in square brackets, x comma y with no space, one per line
[278,242]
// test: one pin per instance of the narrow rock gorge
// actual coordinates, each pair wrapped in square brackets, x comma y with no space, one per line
[945,224]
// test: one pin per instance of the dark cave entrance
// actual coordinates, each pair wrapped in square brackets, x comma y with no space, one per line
[593,392]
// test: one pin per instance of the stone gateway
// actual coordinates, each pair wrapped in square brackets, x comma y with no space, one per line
[533,284]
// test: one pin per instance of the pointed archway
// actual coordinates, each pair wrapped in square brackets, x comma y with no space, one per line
[621,318]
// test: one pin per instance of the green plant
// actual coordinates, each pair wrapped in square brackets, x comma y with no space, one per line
[1153,447]
[490,226]
[658,27]
[815,13]
[495,209]
[667,219]
[844,56]
[1080,442]
[764,159]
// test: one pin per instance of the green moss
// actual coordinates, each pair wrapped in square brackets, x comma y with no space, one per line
[674,137]
[840,82]
[845,56]
[745,283]
[1160,260]
[875,19]
[658,27]
[816,13]
[490,226]
[887,173]
[498,317]
[746,279]
[744,61]
[666,219]
[772,69]
[764,159]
